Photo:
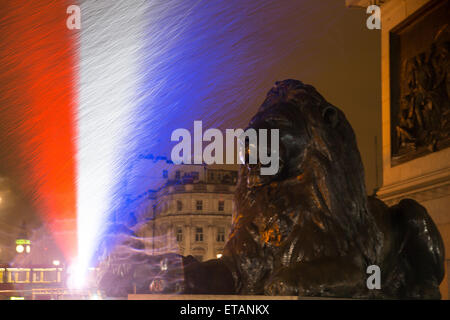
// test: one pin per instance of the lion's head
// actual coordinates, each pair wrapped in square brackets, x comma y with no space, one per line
[311,131]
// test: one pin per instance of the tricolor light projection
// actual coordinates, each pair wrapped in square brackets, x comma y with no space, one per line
[85,106]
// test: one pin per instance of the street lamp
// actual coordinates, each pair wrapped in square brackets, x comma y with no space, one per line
[56,263]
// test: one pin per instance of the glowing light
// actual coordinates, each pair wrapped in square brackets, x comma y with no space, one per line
[219,256]
[77,276]
[56,262]
[164,265]
[95,296]
[23,245]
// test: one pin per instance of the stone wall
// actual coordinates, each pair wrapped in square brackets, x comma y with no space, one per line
[425,178]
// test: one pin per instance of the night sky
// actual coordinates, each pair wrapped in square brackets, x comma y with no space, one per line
[209,60]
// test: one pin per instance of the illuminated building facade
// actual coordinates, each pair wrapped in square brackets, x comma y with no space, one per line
[191,212]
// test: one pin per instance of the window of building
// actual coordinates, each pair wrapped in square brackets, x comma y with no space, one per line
[177,175]
[165,174]
[220,234]
[226,179]
[179,205]
[194,175]
[198,234]
[199,205]
[179,234]
[221,205]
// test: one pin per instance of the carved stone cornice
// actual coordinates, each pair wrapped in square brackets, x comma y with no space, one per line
[364,3]
[429,186]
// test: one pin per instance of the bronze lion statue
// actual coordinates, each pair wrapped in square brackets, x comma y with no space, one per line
[311,229]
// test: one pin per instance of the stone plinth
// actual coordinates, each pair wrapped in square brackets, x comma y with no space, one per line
[426,178]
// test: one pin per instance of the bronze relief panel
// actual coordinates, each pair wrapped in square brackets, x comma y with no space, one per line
[420,107]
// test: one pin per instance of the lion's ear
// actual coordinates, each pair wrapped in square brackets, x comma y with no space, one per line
[331,116]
